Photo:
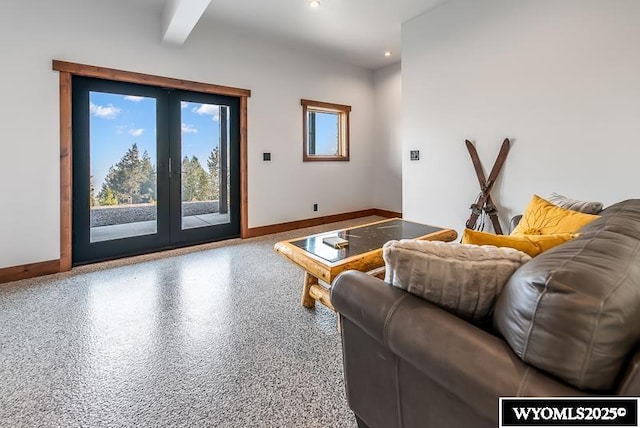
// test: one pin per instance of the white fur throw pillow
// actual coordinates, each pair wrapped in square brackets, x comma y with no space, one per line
[463,279]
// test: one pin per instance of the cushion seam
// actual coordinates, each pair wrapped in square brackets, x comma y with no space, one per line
[524,382]
[396,365]
[525,349]
[387,319]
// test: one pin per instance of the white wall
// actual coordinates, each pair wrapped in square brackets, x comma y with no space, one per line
[387,187]
[558,77]
[125,36]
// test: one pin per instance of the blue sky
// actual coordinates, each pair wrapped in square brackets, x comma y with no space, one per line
[326,133]
[117,121]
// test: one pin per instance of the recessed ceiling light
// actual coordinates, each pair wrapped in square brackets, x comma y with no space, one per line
[314,4]
[387,53]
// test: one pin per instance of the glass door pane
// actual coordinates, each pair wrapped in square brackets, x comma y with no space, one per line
[123,166]
[204,164]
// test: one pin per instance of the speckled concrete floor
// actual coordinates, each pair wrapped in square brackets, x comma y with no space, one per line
[208,336]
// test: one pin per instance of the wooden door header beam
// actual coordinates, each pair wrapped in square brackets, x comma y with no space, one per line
[146,79]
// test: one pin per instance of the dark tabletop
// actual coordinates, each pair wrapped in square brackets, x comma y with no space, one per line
[363,239]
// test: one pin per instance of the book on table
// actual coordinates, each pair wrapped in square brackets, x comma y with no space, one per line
[335,242]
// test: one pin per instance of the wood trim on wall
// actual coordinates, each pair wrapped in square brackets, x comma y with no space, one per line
[146,79]
[329,106]
[343,134]
[65,172]
[317,221]
[387,213]
[31,270]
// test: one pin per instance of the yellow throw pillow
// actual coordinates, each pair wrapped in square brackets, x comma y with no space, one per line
[530,244]
[544,218]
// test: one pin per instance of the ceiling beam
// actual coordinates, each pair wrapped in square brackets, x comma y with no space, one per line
[179,19]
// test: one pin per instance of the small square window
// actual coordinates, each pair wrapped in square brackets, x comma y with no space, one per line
[326,131]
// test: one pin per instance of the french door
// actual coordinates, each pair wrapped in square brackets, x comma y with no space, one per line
[152,168]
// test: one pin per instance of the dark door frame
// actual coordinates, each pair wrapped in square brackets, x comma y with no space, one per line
[68,69]
[180,236]
[85,251]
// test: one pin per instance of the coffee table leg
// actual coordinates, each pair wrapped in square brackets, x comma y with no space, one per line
[307,300]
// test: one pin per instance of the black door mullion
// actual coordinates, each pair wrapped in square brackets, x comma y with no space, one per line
[224,156]
[164,168]
[175,162]
[81,168]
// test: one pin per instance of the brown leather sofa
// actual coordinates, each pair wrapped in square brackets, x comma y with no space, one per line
[566,324]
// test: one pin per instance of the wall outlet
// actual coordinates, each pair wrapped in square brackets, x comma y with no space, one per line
[315,207]
[266,156]
[415,155]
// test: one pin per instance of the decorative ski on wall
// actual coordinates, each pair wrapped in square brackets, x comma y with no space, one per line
[484,203]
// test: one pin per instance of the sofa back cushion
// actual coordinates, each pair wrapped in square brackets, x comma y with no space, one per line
[574,311]
[587,207]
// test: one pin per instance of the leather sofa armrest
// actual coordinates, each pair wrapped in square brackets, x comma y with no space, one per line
[630,384]
[365,300]
[471,363]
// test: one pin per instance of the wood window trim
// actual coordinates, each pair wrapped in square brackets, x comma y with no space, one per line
[146,79]
[67,70]
[343,114]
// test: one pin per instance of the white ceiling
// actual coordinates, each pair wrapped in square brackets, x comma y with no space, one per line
[353,31]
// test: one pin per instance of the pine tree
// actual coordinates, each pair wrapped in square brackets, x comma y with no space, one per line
[188,187]
[213,163]
[195,182]
[204,183]
[107,197]
[132,180]
[110,178]
[148,184]
[92,192]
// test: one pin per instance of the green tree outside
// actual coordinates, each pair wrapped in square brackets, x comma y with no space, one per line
[92,193]
[107,197]
[196,183]
[213,164]
[132,180]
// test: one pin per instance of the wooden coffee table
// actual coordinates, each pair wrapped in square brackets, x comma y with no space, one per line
[364,252]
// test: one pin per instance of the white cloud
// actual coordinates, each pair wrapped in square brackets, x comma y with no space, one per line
[184,104]
[208,110]
[188,129]
[133,98]
[136,132]
[105,112]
